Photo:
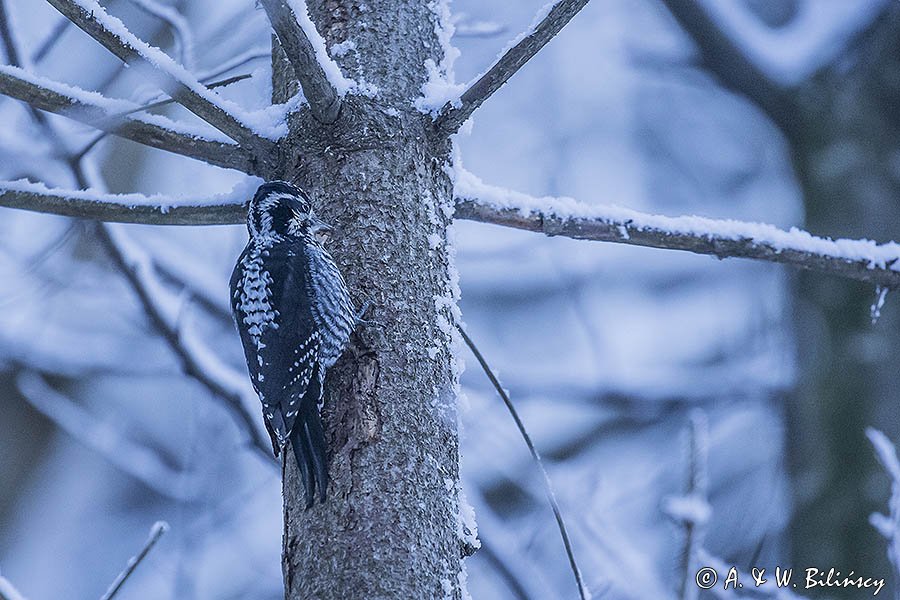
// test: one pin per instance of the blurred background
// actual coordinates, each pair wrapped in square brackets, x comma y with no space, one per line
[781,111]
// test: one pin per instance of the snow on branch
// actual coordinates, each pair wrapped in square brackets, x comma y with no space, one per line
[547,23]
[101,112]
[223,209]
[225,116]
[198,361]
[863,260]
[318,75]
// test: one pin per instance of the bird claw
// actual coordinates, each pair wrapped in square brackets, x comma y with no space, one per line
[367,304]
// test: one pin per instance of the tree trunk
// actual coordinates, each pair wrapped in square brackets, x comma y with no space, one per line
[390,527]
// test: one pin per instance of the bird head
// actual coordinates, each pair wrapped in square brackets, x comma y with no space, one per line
[281,209]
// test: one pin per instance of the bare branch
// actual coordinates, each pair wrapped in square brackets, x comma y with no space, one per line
[98,112]
[156,532]
[198,361]
[324,101]
[526,46]
[548,486]
[862,260]
[174,80]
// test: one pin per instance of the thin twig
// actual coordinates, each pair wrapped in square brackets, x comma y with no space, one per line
[691,511]
[233,63]
[215,84]
[323,98]
[173,79]
[82,106]
[451,118]
[156,532]
[146,107]
[548,486]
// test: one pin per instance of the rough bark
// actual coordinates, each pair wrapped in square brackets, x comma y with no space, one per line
[389,528]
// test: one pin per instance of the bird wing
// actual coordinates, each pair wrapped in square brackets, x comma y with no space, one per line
[283,356]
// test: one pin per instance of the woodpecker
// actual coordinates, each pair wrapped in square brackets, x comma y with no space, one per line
[295,317]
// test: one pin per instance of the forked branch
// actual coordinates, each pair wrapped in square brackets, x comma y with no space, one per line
[99,112]
[524,47]
[323,98]
[173,78]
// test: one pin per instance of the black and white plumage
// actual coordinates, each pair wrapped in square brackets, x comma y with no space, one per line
[295,318]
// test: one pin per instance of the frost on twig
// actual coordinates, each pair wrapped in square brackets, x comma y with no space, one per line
[198,361]
[305,50]
[547,23]
[101,112]
[863,260]
[691,511]
[888,525]
[156,532]
[172,77]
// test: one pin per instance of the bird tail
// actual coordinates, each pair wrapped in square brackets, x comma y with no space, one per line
[308,442]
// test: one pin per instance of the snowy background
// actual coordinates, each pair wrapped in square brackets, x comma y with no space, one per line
[607,350]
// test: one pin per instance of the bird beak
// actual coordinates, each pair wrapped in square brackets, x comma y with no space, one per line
[320,229]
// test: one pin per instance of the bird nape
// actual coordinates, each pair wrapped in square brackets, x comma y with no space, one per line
[294,315]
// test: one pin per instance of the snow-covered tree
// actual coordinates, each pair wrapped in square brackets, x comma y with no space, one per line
[120,334]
